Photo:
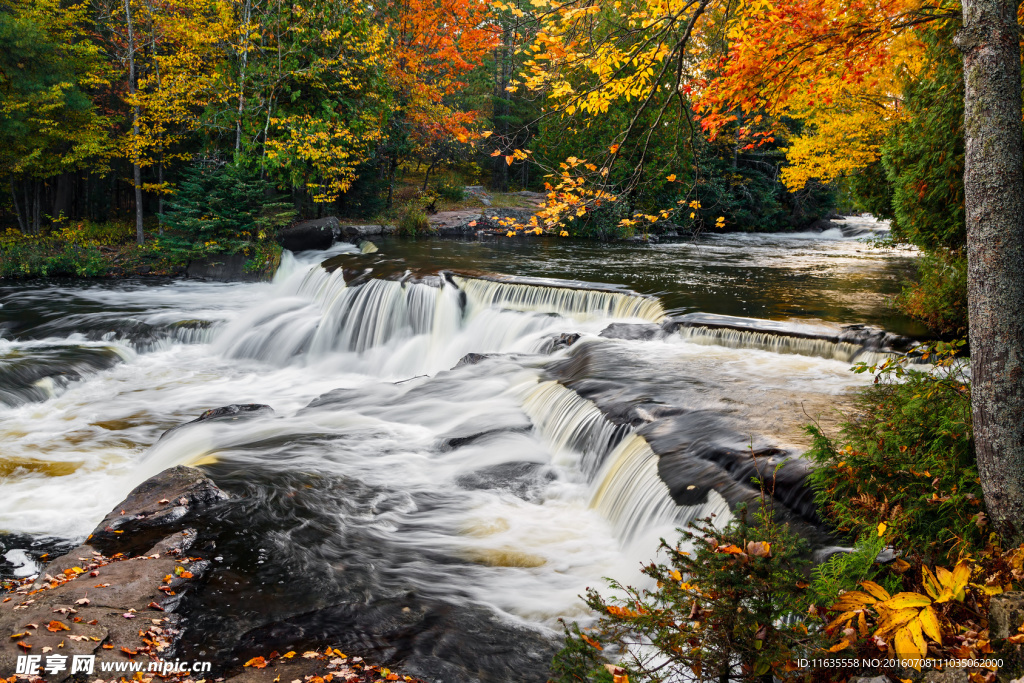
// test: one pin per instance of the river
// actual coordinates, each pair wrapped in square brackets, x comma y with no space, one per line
[502,486]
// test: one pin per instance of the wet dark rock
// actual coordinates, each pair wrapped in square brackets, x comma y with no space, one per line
[821,225]
[868,336]
[430,639]
[22,555]
[522,479]
[557,342]
[228,268]
[103,599]
[633,331]
[565,340]
[34,378]
[472,359]
[164,504]
[699,450]
[316,234]
[233,412]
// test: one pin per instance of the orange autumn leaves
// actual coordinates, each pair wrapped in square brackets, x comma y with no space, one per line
[733,69]
[437,43]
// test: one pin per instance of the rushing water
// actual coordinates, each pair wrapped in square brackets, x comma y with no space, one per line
[508,483]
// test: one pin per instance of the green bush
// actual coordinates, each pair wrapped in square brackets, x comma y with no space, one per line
[723,609]
[938,297]
[413,221]
[906,458]
[59,252]
[450,187]
[603,223]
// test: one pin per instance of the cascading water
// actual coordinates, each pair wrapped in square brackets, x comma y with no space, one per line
[778,343]
[582,304]
[388,467]
[629,491]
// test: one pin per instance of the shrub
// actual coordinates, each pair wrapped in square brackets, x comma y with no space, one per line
[61,251]
[939,296]
[906,459]
[723,609]
[413,221]
[450,187]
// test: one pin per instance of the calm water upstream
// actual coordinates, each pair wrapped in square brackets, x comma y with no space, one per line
[503,487]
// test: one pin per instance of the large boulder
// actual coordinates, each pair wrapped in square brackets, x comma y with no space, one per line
[229,268]
[316,234]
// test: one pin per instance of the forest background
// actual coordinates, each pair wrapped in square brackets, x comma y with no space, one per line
[198,127]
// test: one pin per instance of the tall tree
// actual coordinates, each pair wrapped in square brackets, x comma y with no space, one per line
[994,198]
[130,50]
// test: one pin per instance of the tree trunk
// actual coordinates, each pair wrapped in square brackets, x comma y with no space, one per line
[994,198]
[247,18]
[35,208]
[140,236]
[160,200]
[17,210]
[426,176]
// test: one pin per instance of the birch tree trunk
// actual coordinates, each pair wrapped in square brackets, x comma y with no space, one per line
[994,196]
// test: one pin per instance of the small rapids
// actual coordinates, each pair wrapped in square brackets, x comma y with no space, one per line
[476,441]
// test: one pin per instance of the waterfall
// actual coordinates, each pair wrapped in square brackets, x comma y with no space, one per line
[630,494]
[781,343]
[571,424]
[323,315]
[581,304]
[625,486]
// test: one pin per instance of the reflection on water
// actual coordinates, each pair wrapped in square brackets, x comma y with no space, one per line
[776,276]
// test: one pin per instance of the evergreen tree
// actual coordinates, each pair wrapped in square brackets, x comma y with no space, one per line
[218,209]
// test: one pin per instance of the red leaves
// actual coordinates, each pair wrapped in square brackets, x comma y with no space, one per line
[55,626]
[257,663]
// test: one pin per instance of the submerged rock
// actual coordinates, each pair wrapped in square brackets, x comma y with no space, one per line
[235,411]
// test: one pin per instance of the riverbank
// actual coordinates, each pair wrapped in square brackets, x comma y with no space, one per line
[104,253]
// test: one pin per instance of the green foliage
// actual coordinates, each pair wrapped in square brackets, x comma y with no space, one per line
[220,210]
[844,571]
[450,186]
[924,157]
[603,223]
[938,297]
[413,221]
[906,458]
[48,124]
[869,190]
[722,608]
[49,257]
[368,195]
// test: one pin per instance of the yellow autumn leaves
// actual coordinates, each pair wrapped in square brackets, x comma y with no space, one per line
[903,619]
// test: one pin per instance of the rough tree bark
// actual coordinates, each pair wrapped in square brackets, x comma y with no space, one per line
[994,195]
[140,236]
